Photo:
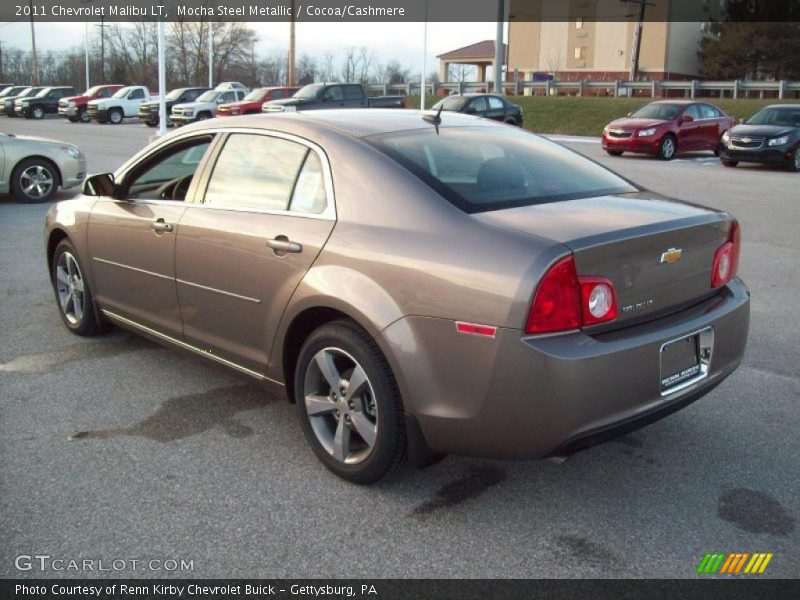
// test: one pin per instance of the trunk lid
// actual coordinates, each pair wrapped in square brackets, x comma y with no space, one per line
[658,253]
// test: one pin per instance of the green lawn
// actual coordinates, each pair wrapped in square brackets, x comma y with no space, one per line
[571,115]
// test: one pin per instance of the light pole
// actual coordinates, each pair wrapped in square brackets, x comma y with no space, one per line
[162,82]
[33,48]
[498,48]
[210,55]
[290,71]
[86,44]
[424,52]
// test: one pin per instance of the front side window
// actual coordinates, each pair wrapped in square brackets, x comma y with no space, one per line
[692,111]
[481,169]
[478,105]
[708,112]
[256,172]
[353,92]
[137,94]
[277,95]
[168,175]
[334,93]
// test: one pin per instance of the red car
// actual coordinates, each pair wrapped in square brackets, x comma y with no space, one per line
[74,107]
[667,127]
[252,102]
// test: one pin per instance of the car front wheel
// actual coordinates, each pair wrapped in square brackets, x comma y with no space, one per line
[115,116]
[83,116]
[614,152]
[348,403]
[729,163]
[73,294]
[34,180]
[666,150]
[795,164]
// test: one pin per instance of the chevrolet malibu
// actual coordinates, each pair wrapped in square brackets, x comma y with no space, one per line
[416,284]
[33,168]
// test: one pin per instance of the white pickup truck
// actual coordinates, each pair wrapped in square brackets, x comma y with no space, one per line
[124,104]
[205,107]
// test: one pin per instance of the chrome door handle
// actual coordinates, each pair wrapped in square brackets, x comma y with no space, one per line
[159,226]
[281,245]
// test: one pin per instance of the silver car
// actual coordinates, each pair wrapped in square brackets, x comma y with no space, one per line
[34,168]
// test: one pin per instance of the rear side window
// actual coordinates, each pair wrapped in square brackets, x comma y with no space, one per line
[708,112]
[309,195]
[480,169]
[353,92]
[495,103]
[256,172]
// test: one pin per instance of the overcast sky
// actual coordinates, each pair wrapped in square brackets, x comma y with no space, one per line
[400,41]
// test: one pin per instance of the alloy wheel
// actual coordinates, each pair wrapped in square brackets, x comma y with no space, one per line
[115,117]
[797,159]
[70,287]
[668,148]
[341,405]
[36,181]
[38,113]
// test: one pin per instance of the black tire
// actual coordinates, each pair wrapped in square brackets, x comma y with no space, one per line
[151,124]
[73,119]
[388,451]
[88,324]
[37,113]
[667,148]
[203,116]
[83,116]
[729,163]
[101,121]
[795,164]
[115,116]
[22,179]
[614,152]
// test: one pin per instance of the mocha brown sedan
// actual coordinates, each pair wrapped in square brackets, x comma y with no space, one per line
[418,286]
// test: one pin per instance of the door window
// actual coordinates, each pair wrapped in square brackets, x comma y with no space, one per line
[692,111]
[334,93]
[478,105]
[277,95]
[136,94]
[708,112]
[353,92]
[168,175]
[256,172]
[495,103]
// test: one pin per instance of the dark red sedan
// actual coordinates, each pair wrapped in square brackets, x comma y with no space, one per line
[667,127]
[251,104]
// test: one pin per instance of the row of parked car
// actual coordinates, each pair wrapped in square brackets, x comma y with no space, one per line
[667,127]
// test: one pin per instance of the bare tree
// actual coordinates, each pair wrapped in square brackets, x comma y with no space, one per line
[459,73]
[306,70]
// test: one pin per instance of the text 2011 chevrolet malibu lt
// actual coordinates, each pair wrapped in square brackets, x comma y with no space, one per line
[417,285]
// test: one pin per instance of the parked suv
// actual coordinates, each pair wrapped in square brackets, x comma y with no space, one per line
[205,107]
[73,108]
[43,103]
[253,101]
[8,102]
[122,105]
[332,95]
[148,111]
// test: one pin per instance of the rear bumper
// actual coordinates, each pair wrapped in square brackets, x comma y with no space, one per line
[780,155]
[639,145]
[518,396]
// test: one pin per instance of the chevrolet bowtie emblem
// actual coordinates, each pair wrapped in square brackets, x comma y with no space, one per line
[746,140]
[672,255]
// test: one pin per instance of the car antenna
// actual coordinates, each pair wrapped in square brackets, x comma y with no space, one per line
[436,119]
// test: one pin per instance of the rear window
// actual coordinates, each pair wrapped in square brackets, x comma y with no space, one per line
[480,169]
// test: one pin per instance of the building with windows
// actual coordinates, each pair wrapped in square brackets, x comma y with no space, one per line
[588,45]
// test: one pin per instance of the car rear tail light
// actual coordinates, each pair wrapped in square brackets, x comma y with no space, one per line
[564,301]
[726,258]
[557,303]
[598,300]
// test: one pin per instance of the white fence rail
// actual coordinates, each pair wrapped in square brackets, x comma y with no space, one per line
[690,89]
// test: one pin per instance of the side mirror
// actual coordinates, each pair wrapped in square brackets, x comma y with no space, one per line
[629,114]
[100,185]
[688,118]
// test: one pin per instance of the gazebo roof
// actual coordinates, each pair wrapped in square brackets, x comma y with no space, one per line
[480,51]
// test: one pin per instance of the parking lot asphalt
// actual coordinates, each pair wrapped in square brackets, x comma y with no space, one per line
[178,459]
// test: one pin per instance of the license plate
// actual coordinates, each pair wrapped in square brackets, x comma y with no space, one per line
[680,362]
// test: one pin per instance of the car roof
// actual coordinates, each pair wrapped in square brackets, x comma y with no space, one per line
[357,122]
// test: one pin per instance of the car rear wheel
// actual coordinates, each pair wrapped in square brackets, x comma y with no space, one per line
[348,403]
[614,152]
[73,294]
[667,148]
[34,180]
[115,116]
[729,163]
